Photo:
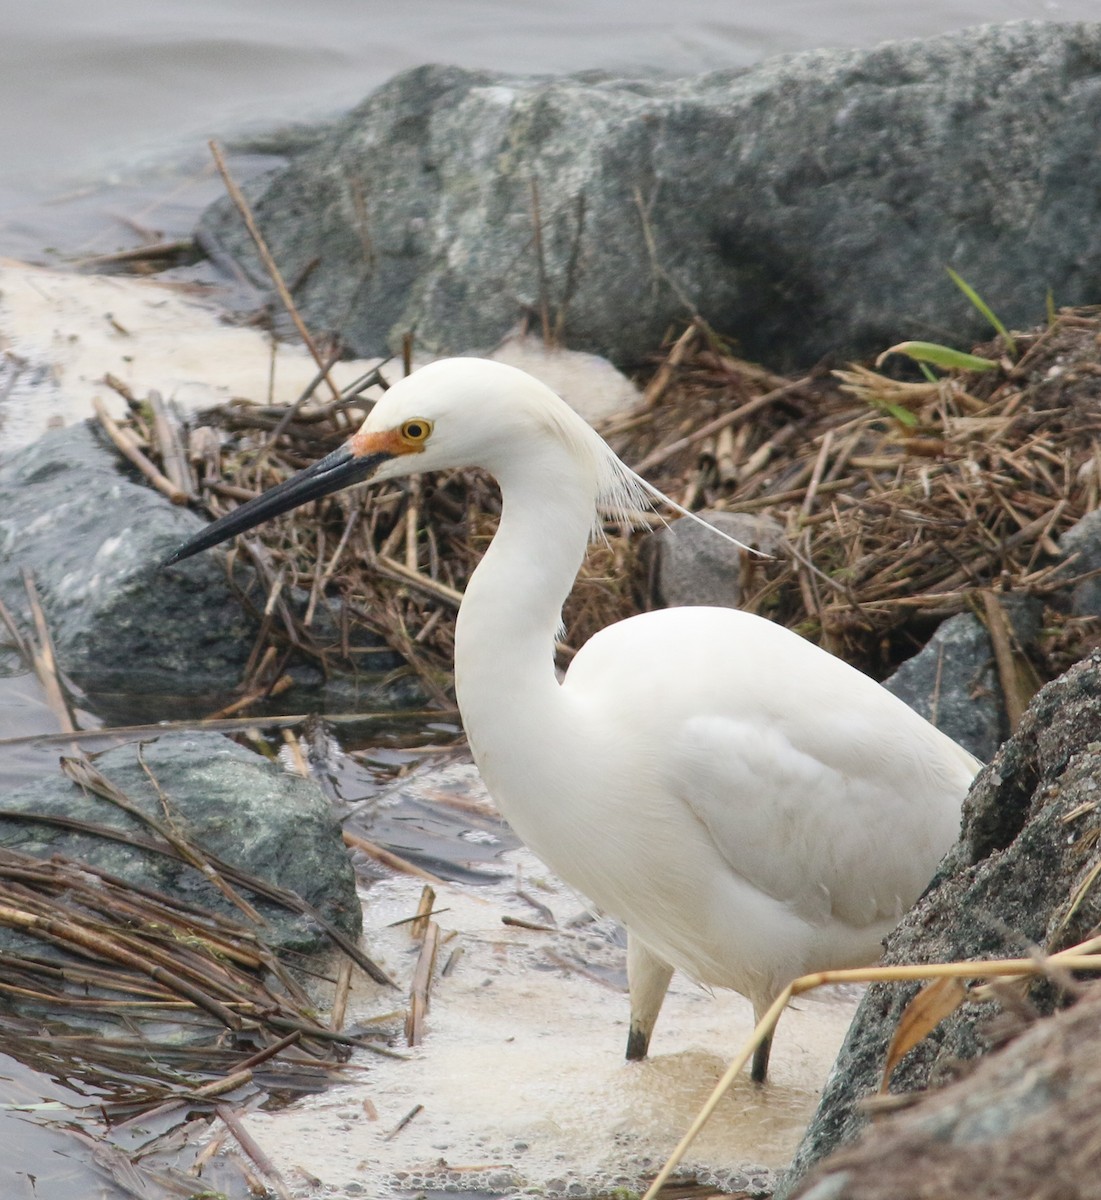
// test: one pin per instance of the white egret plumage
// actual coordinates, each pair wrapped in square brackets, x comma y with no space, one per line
[750,807]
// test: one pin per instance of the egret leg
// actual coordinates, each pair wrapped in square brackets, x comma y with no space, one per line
[648,978]
[758,1070]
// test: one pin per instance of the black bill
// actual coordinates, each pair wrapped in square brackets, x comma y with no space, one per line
[337,470]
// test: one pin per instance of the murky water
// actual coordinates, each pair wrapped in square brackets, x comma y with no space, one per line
[107,107]
[38,1157]
[520,1080]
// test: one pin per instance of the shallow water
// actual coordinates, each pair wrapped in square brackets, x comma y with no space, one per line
[107,107]
[37,1158]
[55,1148]
[521,1075]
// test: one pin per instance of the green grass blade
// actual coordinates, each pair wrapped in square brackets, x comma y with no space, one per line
[940,356]
[902,415]
[984,308]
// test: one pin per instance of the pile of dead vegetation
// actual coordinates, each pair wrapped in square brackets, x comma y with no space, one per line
[157,1013]
[902,501]
[161,1015]
[155,1003]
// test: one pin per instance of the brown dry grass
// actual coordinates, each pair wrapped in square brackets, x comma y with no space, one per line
[892,522]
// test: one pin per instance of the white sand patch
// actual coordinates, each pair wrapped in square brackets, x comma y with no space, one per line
[62,333]
[68,331]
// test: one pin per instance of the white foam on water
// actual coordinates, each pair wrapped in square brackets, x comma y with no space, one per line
[67,331]
[521,1075]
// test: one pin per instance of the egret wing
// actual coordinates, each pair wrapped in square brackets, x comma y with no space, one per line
[814,783]
[829,841]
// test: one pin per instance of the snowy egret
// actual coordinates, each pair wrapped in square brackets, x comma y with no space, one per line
[750,807]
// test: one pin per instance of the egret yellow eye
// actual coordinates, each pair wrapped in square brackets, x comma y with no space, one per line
[416,431]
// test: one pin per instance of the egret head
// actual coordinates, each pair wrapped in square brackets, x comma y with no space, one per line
[456,413]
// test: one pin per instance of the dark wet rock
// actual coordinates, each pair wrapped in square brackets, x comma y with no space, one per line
[686,563]
[1029,842]
[92,534]
[1023,1126]
[805,206]
[1081,544]
[953,681]
[229,802]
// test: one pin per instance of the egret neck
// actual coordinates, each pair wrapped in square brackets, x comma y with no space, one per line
[509,619]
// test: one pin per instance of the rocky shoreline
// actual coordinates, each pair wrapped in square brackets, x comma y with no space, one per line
[805,208]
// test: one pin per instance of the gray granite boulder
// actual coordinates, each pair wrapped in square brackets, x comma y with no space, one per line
[1022,1126]
[953,681]
[1081,544]
[229,802]
[685,563]
[805,207]
[92,534]
[142,643]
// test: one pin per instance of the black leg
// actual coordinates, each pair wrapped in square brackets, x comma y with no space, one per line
[638,1043]
[648,977]
[759,1069]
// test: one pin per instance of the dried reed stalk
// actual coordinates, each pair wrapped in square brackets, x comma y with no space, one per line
[901,503]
